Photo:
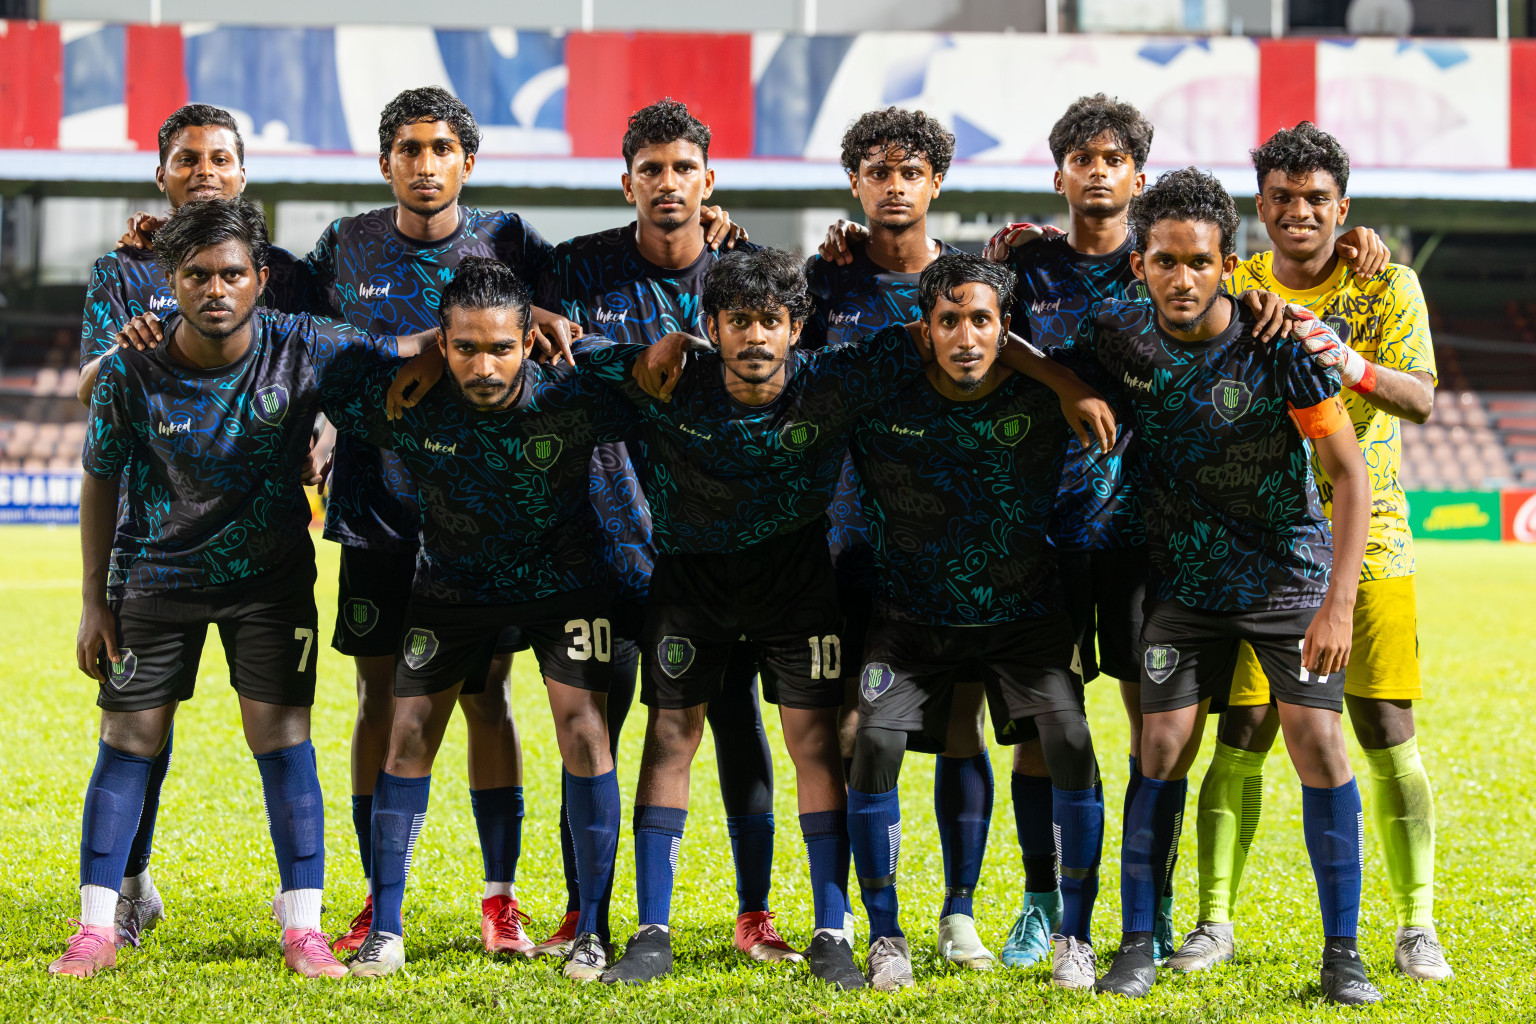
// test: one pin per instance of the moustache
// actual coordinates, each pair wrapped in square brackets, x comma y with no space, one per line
[210,307]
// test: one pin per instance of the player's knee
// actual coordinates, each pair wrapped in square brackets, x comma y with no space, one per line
[877,755]
[1067,746]
[1028,759]
[675,732]
[1380,724]
[1248,728]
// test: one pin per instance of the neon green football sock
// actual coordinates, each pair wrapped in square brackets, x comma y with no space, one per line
[1403,808]
[1230,800]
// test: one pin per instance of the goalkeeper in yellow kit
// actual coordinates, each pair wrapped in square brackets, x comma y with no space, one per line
[1388,368]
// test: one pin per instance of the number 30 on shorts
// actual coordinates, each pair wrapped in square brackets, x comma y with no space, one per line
[590,639]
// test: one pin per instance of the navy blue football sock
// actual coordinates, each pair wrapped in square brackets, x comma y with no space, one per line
[1132,784]
[826,847]
[290,786]
[658,841]
[594,824]
[874,831]
[399,811]
[568,849]
[362,824]
[1151,837]
[499,820]
[144,838]
[962,804]
[1079,815]
[1032,818]
[752,847]
[1334,826]
[114,799]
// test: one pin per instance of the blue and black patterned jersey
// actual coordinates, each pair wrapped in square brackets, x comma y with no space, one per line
[1232,512]
[849,302]
[858,299]
[507,515]
[602,282]
[1059,287]
[959,498]
[215,458]
[128,282]
[366,272]
[721,475]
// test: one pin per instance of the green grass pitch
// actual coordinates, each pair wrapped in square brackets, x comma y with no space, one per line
[217,956]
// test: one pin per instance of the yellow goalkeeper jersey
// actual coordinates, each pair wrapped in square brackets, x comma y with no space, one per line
[1386,322]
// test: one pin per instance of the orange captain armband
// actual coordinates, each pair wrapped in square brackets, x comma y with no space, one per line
[1321,419]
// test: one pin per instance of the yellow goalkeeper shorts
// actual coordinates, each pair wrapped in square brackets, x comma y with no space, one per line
[1384,659]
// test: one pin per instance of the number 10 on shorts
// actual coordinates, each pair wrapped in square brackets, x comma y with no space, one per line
[826,657]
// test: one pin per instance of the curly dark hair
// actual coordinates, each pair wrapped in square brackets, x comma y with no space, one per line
[764,279]
[481,282]
[945,274]
[1091,116]
[428,104]
[198,115]
[662,122]
[910,131]
[1299,151]
[204,222]
[1186,194]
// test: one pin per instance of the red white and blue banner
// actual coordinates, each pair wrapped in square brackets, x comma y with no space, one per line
[1409,104]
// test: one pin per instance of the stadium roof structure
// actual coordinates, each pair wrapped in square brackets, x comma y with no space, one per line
[1487,200]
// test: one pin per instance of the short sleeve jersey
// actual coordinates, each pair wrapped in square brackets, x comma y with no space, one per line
[1233,517]
[215,457]
[505,496]
[365,271]
[850,302]
[1386,321]
[1058,288]
[602,282]
[722,475]
[128,282]
[959,498]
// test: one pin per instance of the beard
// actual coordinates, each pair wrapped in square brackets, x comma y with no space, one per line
[761,356]
[219,332]
[1192,323]
[497,396]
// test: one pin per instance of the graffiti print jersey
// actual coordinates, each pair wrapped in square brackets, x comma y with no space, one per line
[1233,518]
[216,457]
[1386,321]
[505,496]
[721,475]
[366,272]
[1058,288]
[959,498]
[849,302]
[128,282]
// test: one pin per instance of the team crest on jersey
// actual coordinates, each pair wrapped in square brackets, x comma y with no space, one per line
[675,653]
[420,646]
[797,437]
[270,404]
[1231,398]
[120,672]
[877,678]
[1135,291]
[361,616]
[1010,430]
[1340,326]
[542,451]
[1159,662]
